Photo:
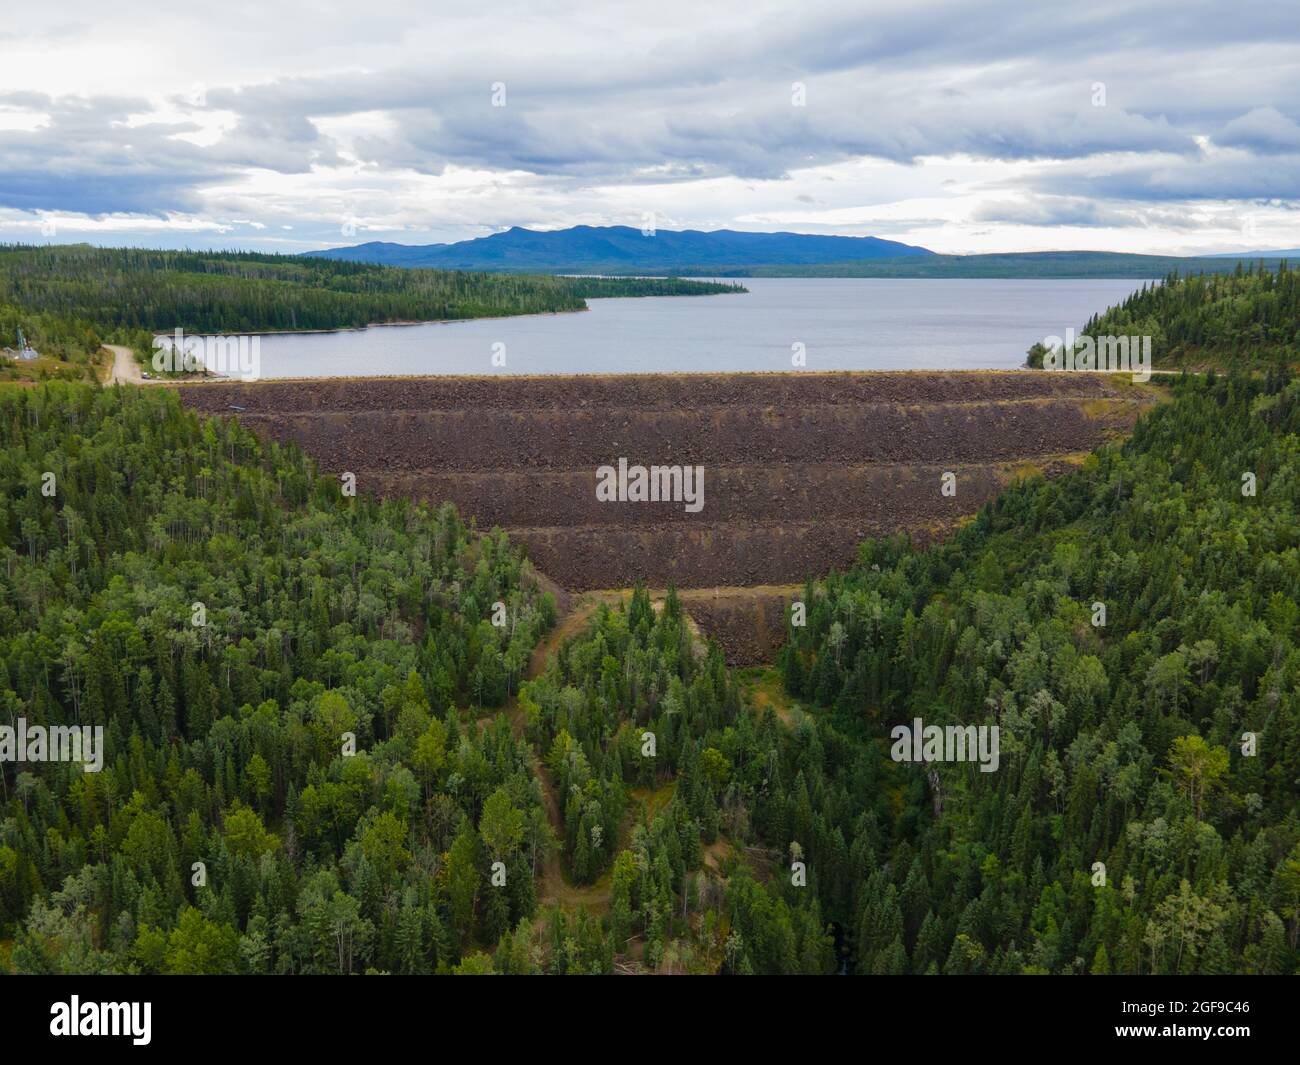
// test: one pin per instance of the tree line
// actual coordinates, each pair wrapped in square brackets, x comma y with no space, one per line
[68,299]
[1248,318]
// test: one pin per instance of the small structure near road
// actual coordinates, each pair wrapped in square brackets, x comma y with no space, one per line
[24,352]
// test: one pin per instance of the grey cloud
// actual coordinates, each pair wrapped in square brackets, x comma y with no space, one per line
[1052,211]
[900,82]
[1264,129]
[1210,178]
[87,159]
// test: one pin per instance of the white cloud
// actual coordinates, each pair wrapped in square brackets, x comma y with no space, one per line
[947,124]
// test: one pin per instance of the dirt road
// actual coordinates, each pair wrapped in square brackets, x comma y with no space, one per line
[125,370]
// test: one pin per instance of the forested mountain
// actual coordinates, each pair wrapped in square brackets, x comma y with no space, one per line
[69,298]
[620,250]
[624,250]
[1249,318]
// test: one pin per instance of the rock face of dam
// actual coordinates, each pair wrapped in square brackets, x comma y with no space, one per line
[797,468]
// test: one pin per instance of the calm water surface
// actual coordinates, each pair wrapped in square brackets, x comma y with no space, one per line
[843,324]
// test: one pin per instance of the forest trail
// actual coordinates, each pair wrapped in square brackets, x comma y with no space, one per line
[574,623]
[556,886]
[569,626]
[565,629]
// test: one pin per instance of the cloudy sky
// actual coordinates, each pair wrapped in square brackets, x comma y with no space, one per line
[965,127]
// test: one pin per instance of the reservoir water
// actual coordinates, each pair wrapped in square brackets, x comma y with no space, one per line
[841,323]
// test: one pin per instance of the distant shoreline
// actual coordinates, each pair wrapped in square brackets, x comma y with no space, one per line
[373,325]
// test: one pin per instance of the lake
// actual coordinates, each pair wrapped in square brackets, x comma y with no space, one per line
[842,323]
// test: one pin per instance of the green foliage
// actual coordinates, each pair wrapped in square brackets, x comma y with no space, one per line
[1120,744]
[229,830]
[698,817]
[638,672]
[125,290]
[1247,318]
[67,347]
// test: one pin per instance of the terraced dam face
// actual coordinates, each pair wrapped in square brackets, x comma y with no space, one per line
[797,468]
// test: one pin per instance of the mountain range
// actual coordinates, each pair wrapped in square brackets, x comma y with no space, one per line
[622,250]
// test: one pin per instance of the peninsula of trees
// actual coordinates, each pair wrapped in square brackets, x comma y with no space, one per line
[69,299]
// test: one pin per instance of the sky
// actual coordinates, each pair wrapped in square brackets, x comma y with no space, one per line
[963,127]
